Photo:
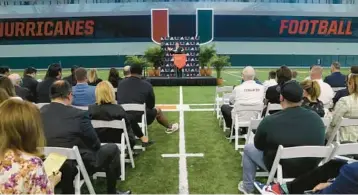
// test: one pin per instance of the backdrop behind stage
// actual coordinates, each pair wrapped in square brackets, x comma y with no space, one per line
[101,36]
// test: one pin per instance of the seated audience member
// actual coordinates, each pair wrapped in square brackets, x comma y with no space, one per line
[272,80]
[4,71]
[283,74]
[106,108]
[336,79]
[319,180]
[93,79]
[22,92]
[83,94]
[311,92]
[346,107]
[134,90]
[72,78]
[54,73]
[341,93]
[293,126]
[326,90]
[6,84]
[127,71]
[248,93]
[66,126]
[294,75]
[21,168]
[3,95]
[30,82]
[114,77]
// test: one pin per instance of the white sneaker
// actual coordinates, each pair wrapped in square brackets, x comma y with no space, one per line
[241,188]
[174,128]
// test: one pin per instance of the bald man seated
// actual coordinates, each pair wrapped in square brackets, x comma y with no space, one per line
[22,92]
[248,93]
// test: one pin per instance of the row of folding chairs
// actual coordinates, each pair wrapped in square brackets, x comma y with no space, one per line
[124,145]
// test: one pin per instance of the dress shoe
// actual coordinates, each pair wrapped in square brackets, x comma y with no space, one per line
[147,144]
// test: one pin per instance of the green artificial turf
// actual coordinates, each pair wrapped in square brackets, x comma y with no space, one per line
[217,172]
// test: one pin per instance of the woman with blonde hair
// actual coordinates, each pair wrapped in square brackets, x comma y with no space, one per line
[106,108]
[311,92]
[21,137]
[93,77]
[347,107]
[6,84]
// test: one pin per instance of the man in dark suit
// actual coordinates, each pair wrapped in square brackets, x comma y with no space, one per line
[66,126]
[177,50]
[29,82]
[336,79]
[54,73]
[72,78]
[22,92]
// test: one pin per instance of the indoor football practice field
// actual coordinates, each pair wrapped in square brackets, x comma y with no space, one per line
[197,159]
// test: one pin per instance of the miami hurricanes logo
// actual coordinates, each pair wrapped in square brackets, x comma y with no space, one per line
[204,25]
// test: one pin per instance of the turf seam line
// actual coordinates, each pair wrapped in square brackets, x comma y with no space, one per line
[183,169]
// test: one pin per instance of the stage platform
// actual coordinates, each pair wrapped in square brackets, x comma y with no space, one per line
[184,81]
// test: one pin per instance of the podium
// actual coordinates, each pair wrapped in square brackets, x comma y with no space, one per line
[179,62]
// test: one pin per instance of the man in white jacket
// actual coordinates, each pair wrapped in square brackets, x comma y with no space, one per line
[248,93]
[326,90]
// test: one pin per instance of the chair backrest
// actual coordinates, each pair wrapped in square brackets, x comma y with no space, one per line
[344,122]
[134,107]
[335,89]
[224,89]
[226,98]
[72,154]
[272,107]
[298,152]
[242,107]
[254,124]
[40,105]
[115,124]
[81,107]
[345,149]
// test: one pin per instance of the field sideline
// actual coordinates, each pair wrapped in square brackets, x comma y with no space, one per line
[198,159]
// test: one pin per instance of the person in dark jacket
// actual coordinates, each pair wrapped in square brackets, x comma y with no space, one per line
[66,126]
[311,92]
[293,126]
[29,82]
[4,71]
[93,79]
[114,77]
[336,79]
[72,78]
[107,109]
[54,73]
[21,92]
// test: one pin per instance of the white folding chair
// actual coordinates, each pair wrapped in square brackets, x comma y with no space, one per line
[340,150]
[81,107]
[323,152]
[344,122]
[74,154]
[272,107]
[40,105]
[125,144]
[335,89]
[143,124]
[219,92]
[236,125]
[225,101]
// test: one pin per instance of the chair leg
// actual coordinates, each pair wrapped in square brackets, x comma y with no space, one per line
[77,183]
[123,166]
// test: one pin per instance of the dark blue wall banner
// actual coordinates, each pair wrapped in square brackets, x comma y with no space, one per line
[138,28]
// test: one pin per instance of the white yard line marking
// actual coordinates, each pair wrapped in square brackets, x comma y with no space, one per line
[183,169]
[184,155]
[231,74]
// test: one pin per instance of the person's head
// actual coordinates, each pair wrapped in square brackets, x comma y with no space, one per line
[3,95]
[311,89]
[353,84]
[15,79]
[73,69]
[61,91]
[335,67]
[20,128]
[54,71]
[272,75]
[81,75]
[136,69]
[30,71]
[5,70]
[283,74]
[177,45]
[105,93]
[113,74]
[127,71]
[354,69]
[294,75]
[291,94]
[92,75]
[316,72]
[6,84]
[248,73]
